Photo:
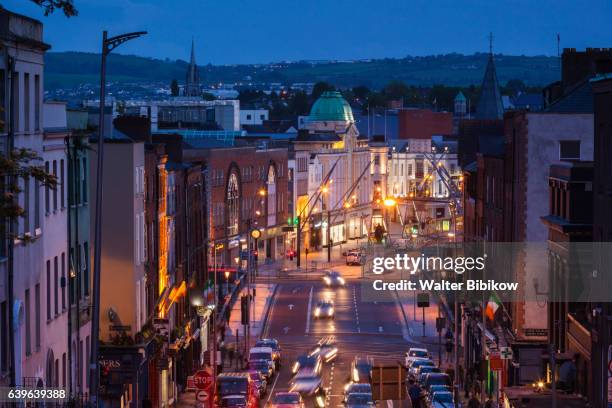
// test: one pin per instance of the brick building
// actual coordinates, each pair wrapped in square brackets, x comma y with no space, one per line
[424,123]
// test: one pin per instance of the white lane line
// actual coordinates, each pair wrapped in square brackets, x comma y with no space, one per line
[309,310]
[356,310]
[272,390]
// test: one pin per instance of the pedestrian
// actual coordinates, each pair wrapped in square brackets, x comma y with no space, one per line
[230,355]
[489,403]
[473,402]
[414,391]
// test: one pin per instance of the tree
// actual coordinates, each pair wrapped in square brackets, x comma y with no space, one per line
[20,164]
[299,103]
[49,6]
[319,88]
[174,88]
[361,92]
[396,90]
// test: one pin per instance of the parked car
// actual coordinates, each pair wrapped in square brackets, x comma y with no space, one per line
[233,401]
[262,366]
[263,353]
[441,399]
[359,400]
[422,371]
[436,379]
[414,366]
[276,349]
[287,400]
[324,309]
[260,382]
[415,353]
[354,257]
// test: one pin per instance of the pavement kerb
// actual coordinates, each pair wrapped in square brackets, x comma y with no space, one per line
[267,308]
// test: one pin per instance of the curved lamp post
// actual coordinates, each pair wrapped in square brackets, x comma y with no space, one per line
[108,45]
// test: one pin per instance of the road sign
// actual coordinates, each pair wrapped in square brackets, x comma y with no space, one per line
[202,396]
[505,353]
[203,380]
[423,299]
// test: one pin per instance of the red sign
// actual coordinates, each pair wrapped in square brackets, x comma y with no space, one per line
[496,364]
[203,380]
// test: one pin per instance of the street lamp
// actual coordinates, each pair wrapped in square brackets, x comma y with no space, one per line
[227,274]
[108,45]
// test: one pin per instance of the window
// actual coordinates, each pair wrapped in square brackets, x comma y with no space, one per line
[26,205]
[63,281]
[36,204]
[86,267]
[377,160]
[15,85]
[47,192]
[64,370]
[55,189]
[409,170]
[248,117]
[55,286]
[569,150]
[28,323]
[37,102]
[37,315]
[262,117]
[26,102]
[48,290]
[62,179]
[3,337]
[84,180]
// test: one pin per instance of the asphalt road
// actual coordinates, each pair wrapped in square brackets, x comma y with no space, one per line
[372,329]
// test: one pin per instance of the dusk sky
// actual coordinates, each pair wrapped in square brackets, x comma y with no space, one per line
[244,31]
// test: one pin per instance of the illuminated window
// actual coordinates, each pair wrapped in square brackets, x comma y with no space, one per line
[233,204]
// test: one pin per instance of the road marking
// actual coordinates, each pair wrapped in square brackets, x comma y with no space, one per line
[266,330]
[286,329]
[380,329]
[273,385]
[309,310]
[291,306]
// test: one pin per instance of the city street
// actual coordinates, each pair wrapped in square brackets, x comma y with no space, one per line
[370,329]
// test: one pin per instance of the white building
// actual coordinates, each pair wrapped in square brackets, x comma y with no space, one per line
[424,190]
[253,116]
[332,148]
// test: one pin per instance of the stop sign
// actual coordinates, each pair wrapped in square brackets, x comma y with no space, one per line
[203,379]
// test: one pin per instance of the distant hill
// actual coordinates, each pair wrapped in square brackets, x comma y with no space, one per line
[72,69]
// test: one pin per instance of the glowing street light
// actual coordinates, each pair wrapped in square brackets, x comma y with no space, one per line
[262,192]
[389,202]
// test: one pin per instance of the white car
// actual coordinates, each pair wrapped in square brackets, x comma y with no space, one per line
[353,258]
[415,353]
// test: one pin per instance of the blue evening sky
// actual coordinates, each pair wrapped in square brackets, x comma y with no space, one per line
[256,31]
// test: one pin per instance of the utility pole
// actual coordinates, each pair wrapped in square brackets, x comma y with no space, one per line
[329,242]
[299,242]
[108,45]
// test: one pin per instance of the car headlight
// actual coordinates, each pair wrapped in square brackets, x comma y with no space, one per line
[317,312]
[330,312]
[295,367]
[327,280]
[355,375]
[320,401]
[341,280]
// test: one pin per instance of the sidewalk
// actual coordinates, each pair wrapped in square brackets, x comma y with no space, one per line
[264,296]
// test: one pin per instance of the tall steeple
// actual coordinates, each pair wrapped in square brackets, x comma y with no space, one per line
[192,82]
[490,102]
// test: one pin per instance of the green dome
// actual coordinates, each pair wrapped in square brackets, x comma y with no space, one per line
[331,106]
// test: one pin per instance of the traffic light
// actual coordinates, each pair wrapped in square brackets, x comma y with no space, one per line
[244,309]
[415,229]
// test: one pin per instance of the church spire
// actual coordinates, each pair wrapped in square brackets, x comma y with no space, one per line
[192,81]
[490,102]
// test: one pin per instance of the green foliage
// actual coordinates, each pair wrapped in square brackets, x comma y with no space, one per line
[69,69]
[49,6]
[20,165]
[319,88]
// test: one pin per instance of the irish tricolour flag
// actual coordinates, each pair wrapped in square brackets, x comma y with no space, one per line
[492,306]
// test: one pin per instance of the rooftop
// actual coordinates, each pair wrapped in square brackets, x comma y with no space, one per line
[332,107]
